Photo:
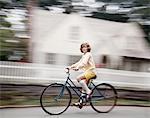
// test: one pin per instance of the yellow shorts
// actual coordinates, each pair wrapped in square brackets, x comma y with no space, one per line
[89,74]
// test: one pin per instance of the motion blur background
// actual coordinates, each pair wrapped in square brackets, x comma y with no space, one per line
[39,38]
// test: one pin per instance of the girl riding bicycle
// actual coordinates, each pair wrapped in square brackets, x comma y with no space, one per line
[56,98]
[86,63]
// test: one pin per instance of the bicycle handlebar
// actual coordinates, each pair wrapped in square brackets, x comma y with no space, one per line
[67,70]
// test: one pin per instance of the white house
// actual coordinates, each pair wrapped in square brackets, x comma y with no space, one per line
[57,39]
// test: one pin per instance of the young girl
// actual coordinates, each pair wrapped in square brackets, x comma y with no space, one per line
[86,63]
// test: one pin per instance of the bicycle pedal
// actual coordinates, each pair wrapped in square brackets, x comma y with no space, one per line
[88,99]
[78,105]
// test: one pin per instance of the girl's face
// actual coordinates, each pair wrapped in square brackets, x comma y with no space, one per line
[84,49]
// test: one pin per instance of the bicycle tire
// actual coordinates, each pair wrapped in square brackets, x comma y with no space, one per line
[104,98]
[55,99]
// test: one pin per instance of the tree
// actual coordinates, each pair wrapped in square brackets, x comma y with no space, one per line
[141,2]
[43,3]
[3,4]
[4,50]
[10,44]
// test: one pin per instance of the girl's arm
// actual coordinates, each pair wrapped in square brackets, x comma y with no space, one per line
[76,64]
[84,61]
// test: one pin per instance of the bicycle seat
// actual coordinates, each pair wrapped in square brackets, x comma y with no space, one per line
[90,80]
[94,77]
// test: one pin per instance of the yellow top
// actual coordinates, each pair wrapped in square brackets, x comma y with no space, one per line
[86,62]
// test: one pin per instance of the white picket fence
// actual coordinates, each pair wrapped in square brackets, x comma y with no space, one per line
[31,73]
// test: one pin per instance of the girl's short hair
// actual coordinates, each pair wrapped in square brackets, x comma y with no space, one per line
[87,45]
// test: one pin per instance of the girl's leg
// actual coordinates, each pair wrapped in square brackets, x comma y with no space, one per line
[82,81]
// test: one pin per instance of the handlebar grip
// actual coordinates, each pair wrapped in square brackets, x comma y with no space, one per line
[67,70]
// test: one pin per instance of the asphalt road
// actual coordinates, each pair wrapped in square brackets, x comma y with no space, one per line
[73,112]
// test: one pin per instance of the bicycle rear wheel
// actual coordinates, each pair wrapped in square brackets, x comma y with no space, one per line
[55,99]
[104,98]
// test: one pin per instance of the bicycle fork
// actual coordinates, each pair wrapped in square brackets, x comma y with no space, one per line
[61,94]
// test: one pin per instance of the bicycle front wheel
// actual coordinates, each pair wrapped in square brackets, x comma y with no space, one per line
[104,98]
[55,99]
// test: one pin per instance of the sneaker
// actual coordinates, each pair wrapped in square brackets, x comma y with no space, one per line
[88,96]
[78,104]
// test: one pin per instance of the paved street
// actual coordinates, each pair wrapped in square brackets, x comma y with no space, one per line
[72,112]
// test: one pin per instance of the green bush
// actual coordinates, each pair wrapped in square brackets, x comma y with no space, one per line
[6,33]
[5,24]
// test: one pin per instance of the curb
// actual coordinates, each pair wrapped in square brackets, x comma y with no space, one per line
[30,106]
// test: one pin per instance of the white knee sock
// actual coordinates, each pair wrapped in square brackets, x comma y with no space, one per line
[83,93]
[85,87]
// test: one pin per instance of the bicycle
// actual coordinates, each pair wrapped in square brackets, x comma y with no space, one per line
[56,98]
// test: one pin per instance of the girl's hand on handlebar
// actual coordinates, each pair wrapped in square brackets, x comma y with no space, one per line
[76,69]
[72,68]
[69,68]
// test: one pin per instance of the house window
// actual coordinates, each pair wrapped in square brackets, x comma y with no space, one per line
[51,58]
[132,64]
[104,59]
[74,34]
